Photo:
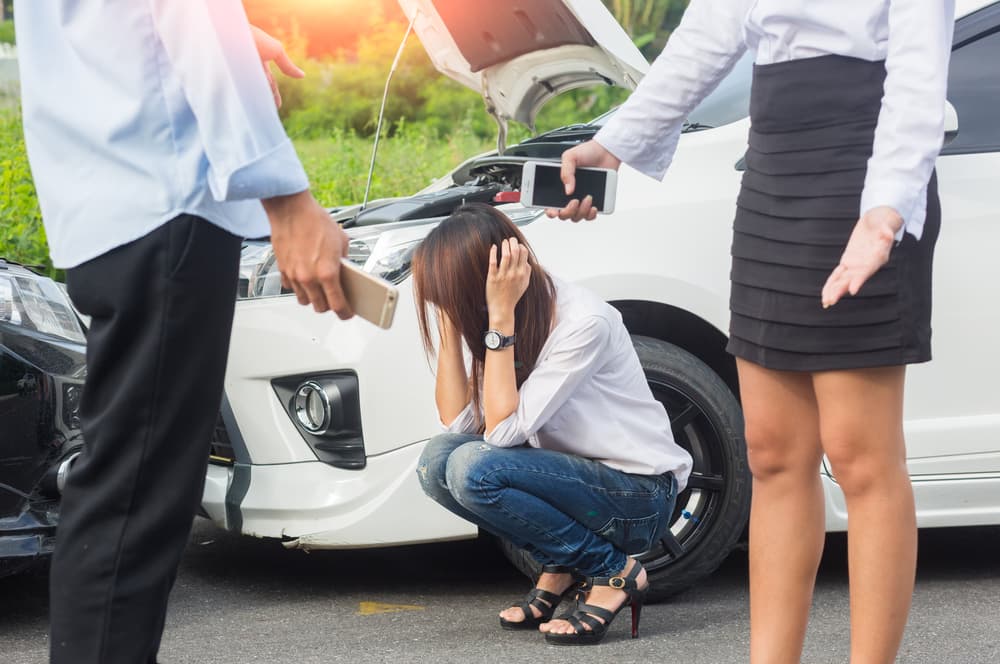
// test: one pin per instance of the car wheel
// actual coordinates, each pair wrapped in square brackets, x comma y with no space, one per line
[711,513]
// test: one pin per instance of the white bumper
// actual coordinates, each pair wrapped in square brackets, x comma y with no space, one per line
[278,487]
[322,507]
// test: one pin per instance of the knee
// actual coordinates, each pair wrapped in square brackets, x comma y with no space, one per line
[775,451]
[433,462]
[859,466]
[468,470]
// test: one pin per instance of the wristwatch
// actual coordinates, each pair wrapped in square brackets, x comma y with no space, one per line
[494,340]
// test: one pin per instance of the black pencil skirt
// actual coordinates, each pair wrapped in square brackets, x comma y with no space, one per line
[812,128]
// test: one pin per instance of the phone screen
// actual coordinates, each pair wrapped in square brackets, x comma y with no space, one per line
[551,192]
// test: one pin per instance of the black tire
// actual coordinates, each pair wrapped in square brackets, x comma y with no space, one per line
[712,511]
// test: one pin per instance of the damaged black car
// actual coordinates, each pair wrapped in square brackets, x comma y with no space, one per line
[42,371]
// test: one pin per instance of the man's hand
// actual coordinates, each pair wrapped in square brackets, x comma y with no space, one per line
[866,252]
[590,154]
[271,50]
[308,246]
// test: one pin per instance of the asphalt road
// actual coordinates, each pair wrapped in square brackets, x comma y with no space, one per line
[242,600]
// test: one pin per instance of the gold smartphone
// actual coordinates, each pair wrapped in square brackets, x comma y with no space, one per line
[371,298]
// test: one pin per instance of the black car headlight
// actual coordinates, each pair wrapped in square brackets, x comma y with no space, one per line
[37,303]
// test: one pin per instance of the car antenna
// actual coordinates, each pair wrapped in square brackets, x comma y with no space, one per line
[381,111]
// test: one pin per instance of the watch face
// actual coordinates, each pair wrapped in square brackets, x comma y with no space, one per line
[492,340]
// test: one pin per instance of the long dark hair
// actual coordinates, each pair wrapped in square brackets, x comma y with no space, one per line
[449,273]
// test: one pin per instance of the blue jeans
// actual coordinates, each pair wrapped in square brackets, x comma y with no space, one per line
[563,509]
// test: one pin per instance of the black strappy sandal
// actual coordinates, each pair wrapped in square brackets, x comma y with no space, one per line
[543,600]
[588,615]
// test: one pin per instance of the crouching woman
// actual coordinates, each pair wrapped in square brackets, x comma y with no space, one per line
[554,440]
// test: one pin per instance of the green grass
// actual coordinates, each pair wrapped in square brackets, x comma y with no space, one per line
[407,162]
[7,32]
[337,167]
[22,237]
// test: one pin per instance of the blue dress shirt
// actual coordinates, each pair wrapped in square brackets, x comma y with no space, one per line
[137,112]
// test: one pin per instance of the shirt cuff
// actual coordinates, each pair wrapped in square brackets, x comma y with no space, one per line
[632,150]
[507,433]
[465,422]
[275,173]
[904,202]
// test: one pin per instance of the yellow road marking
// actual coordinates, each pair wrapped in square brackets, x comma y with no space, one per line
[372,608]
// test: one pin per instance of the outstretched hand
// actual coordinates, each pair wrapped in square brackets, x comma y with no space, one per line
[867,251]
[308,246]
[271,50]
[507,281]
[590,154]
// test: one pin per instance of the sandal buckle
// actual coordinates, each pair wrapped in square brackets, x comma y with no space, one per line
[616,582]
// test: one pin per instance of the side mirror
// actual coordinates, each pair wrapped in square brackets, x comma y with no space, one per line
[950,122]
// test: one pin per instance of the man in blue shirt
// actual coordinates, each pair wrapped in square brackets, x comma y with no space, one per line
[155,147]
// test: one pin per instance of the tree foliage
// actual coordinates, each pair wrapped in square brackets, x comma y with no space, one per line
[433,123]
[649,22]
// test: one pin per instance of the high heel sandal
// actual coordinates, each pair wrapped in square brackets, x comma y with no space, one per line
[543,600]
[588,615]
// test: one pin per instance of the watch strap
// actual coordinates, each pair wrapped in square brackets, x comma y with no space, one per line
[505,341]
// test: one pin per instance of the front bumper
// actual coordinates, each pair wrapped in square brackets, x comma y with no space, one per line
[28,537]
[276,486]
[313,505]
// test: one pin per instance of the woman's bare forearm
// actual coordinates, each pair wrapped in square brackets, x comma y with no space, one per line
[506,282]
[451,390]
[500,396]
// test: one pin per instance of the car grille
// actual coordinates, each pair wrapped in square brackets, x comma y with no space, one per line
[221,451]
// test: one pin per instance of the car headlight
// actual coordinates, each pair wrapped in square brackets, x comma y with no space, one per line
[385,251]
[36,303]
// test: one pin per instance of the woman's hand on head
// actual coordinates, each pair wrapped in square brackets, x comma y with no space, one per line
[507,280]
[590,154]
[867,251]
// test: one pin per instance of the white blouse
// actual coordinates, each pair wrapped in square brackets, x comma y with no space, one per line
[588,396]
[912,36]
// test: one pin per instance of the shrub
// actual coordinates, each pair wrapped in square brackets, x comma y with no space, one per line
[22,237]
[343,93]
[337,165]
[7,32]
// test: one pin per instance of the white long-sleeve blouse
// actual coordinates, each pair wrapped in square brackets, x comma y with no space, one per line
[912,36]
[588,396]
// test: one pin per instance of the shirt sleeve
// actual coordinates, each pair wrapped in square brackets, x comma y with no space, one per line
[210,48]
[465,422]
[572,360]
[706,45]
[910,127]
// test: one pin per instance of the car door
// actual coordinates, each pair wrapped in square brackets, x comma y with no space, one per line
[953,403]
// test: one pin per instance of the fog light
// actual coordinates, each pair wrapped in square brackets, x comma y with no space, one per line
[312,407]
[326,410]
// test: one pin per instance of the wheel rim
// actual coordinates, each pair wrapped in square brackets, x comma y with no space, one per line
[696,431]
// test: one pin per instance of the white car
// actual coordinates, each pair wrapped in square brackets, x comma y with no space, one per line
[324,421]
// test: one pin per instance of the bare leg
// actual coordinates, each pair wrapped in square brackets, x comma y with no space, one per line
[861,420]
[786,516]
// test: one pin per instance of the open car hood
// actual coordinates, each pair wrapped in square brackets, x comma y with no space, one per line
[520,54]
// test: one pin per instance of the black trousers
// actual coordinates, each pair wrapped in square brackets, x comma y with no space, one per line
[162,311]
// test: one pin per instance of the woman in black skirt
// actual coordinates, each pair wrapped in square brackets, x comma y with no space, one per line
[831,277]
